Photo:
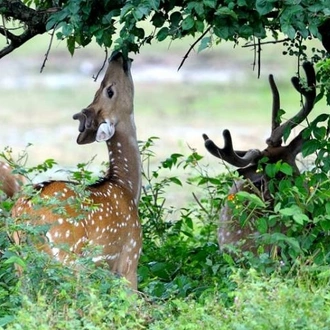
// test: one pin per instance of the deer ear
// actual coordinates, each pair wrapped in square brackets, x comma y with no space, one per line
[87,136]
[105,132]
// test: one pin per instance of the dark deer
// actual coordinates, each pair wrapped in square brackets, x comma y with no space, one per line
[10,183]
[113,224]
[230,231]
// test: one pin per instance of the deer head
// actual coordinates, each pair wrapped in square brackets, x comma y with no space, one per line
[230,232]
[99,119]
[114,225]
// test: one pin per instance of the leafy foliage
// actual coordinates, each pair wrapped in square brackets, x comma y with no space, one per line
[229,20]
[181,268]
[122,23]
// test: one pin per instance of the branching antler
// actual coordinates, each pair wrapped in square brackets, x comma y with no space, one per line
[228,154]
[275,151]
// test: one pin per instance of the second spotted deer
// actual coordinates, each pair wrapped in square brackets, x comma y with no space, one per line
[10,183]
[112,223]
[253,178]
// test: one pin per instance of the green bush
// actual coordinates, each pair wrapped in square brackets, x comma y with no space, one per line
[185,282]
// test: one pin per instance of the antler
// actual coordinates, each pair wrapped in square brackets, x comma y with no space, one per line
[309,94]
[228,154]
[244,158]
[276,102]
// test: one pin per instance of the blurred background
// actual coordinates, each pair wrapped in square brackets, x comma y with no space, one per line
[215,89]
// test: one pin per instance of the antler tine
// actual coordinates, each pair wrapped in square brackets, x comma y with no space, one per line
[228,154]
[309,94]
[276,102]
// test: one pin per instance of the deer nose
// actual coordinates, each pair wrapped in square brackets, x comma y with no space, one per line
[115,55]
[126,62]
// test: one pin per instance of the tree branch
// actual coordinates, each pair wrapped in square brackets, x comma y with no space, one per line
[33,23]
[266,43]
[192,47]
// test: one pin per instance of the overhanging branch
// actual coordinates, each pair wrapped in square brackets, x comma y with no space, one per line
[33,23]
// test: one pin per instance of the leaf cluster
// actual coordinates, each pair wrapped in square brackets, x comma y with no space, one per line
[122,23]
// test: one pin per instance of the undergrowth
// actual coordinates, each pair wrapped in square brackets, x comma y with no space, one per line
[185,282]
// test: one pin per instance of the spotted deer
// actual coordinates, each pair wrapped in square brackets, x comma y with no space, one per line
[10,183]
[113,224]
[254,179]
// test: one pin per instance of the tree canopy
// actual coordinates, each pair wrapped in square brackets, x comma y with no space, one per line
[120,24]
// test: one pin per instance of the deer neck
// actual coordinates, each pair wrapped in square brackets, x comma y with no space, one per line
[124,158]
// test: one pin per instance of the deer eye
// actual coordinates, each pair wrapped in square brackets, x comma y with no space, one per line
[110,92]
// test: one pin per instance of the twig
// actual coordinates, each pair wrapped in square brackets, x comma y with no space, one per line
[5,29]
[254,54]
[103,65]
[259,57]
[199,203]
[48,50]
[267,42]
[192,47]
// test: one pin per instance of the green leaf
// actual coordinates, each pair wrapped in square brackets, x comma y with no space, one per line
[16,260]
[257,201]
[289,30]
[51,22]
[300,218]
[154,4]
[246,31]
[286,169]
[199,8]
[188,23]
[228,259]
[199,25]
[175,18]
[141,12]
[205,43]
[158,20]
[288,211]
[262,225]
[225,11]
[309,147]
[222,32]
[210,3]
[67,29]
[241,3]
[175,180]
[162,33]
[264,6]
[270,170]
[126,9]
[327,208]
[325,224]
[71,44]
